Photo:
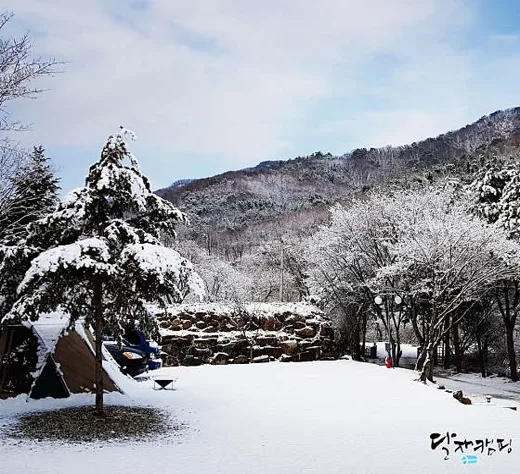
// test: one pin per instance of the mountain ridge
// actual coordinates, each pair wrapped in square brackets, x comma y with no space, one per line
[452,136]
[235,200]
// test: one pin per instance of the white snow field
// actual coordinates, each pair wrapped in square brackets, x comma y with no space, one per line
[314,417]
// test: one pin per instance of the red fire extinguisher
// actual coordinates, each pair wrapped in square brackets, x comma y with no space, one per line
[388,362]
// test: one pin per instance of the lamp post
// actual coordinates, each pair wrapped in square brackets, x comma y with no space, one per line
[382,301]
[281,271]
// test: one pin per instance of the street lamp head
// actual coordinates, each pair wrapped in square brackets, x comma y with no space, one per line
[378,300]
[398,300]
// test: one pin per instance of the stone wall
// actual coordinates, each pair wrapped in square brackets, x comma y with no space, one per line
[227,334]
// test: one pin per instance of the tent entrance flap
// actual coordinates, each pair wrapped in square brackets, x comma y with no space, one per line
[50,382]
[68,366]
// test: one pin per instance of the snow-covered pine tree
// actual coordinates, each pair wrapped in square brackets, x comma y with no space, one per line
[496,192]
[101,255]
[35,195]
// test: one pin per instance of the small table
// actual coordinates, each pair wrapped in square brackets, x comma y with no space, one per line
[163,383]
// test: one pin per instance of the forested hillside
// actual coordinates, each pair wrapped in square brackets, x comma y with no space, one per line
[242,221]
[255,233]
[237,199]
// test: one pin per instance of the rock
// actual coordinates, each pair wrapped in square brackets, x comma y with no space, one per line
[190,360]
[441,387]
[304,345]
[261,359]
[306,356]
[289,347]
[228,348]
[206,342]
[288,319]
[245,351]
[277,325]
[307,331]
[220,358]
[204,353]
[461,398]
[316,350]
[268,323]
[327,331]
[266,340]
[273,351]
[241,359]
[213,331]
[317,341]
[242,344]
[170,361]
[258,351]
[176,338]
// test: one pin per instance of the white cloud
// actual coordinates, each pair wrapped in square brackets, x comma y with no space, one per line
[506,38]
[240,79]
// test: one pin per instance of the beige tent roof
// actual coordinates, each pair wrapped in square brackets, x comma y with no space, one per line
[65,360]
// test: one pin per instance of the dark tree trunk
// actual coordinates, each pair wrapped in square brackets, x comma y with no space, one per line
[481,356]
[427,368]
[508,304]
[420,360]
[98,330]
[355,343]
[511,350]
[447,350]
[456,347]
[364,343]
[396,353]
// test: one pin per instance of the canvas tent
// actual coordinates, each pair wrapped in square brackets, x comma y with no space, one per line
[45,360]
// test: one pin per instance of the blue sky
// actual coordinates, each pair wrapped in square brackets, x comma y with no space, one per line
[214,85]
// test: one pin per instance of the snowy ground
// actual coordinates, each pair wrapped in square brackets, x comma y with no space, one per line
[501,389]
[316,417]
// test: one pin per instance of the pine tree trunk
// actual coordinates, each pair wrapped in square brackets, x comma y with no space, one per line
[98,330]
[511,351]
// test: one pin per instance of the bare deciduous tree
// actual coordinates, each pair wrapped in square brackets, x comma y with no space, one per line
[19,70]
